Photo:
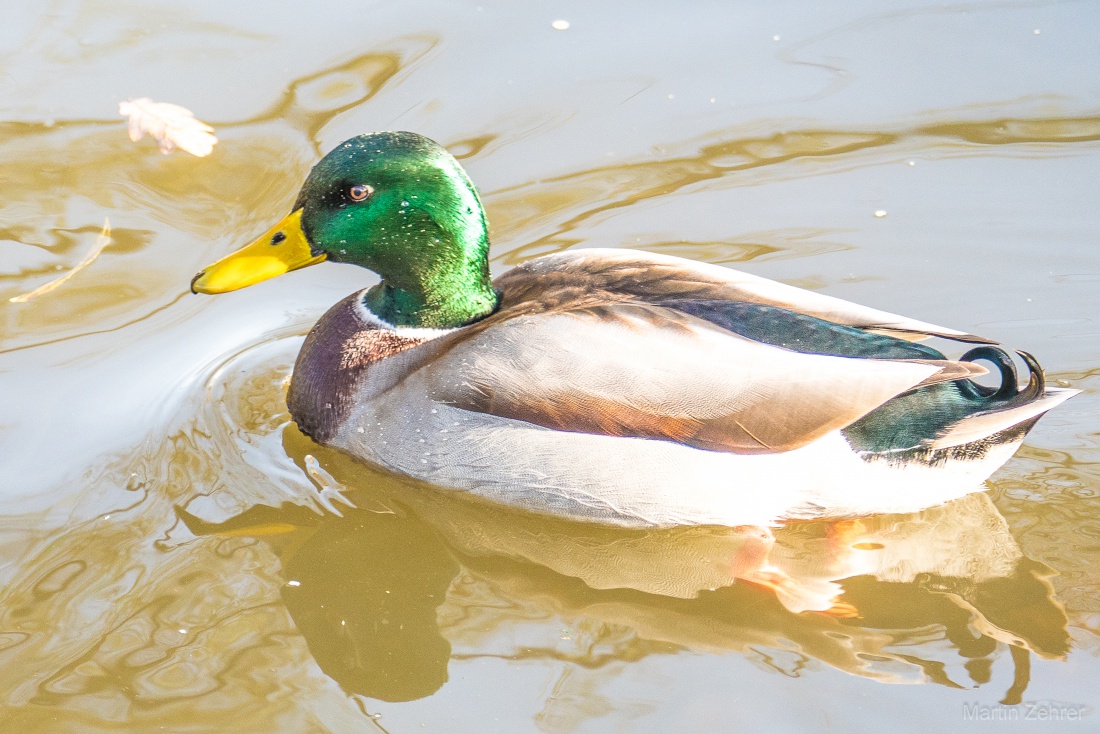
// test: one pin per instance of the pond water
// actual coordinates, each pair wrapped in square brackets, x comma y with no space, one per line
[174,555]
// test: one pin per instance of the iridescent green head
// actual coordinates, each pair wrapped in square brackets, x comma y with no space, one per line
[396,203]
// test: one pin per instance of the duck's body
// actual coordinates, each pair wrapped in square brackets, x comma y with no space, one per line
[623,386]
[592,393]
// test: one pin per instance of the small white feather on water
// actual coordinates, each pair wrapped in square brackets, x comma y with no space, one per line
[170,125]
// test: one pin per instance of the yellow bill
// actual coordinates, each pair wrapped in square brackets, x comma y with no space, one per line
[283,248]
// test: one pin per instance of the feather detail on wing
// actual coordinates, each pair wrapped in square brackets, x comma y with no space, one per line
[638,275]
[950,371]
[640,370]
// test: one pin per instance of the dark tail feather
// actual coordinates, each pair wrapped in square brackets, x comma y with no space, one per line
[1009,390]
[1036,382]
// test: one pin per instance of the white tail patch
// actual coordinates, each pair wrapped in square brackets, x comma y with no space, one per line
[985,424]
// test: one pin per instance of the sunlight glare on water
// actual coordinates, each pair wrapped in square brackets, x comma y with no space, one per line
[175,553]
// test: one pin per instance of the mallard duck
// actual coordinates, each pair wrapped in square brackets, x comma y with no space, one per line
[615,385]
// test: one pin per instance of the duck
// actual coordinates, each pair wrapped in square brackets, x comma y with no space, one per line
[612,385]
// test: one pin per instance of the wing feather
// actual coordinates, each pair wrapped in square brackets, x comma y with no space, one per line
[651,277]
[630,369]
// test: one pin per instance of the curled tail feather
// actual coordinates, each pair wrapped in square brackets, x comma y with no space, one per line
[1009,405]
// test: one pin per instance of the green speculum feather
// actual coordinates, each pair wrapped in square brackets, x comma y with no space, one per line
[422,229]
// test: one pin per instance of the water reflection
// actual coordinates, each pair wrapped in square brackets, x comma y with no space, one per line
[382,594]
[375,633]
[554,209]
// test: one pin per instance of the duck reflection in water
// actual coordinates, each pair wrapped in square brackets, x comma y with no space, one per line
[381,593]
[374,633]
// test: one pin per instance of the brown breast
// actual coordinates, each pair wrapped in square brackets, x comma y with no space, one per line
[332,365]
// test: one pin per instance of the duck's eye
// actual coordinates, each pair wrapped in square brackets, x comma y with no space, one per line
[358,192]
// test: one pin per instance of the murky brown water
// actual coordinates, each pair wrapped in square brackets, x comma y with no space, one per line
[169,556]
